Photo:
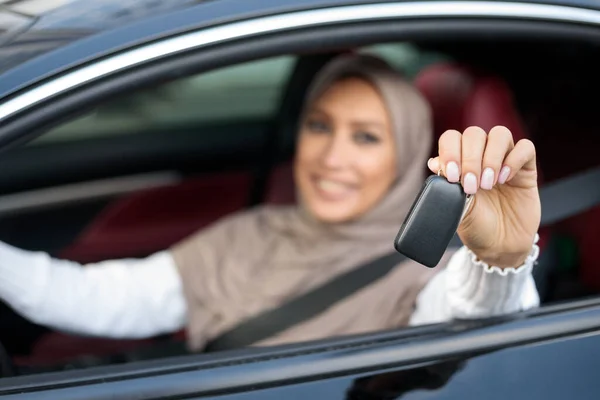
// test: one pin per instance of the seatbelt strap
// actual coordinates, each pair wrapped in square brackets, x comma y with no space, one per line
[307,306]
[560,200]
[570,196]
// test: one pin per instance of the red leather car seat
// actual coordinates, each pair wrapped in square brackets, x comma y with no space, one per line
[152,220]
[461,97]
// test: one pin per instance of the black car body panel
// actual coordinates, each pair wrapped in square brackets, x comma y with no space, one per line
[549,354]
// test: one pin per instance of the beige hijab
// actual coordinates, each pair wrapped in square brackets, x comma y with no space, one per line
[257,259]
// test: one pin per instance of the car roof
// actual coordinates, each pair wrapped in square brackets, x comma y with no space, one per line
[90,28]
[28,29]
[33,29]
[82,14]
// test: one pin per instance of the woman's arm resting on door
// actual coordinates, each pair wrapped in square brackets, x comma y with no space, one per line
[127,298]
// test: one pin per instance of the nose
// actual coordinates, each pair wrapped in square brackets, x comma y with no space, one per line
[335,154]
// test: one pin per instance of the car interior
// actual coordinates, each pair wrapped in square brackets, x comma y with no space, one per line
[202,147]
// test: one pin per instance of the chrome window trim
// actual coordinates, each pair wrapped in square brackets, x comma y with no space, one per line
[300,19]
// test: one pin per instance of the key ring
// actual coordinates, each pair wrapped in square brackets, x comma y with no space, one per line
[468,200]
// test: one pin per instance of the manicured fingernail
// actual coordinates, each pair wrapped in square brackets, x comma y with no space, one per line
[429,163]
[470,183]
[504,173]
[452,172]
[487,179]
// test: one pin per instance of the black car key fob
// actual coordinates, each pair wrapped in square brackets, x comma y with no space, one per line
[432,221]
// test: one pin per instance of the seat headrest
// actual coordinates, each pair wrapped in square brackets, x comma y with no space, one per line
[461,96]
[447,87]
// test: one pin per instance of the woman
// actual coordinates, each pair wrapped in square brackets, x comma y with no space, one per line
[362,147]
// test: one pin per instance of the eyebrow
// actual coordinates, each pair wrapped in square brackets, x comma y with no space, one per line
[363,123]
[316,110]
[373,124]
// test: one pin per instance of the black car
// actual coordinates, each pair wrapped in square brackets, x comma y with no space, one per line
[128,125]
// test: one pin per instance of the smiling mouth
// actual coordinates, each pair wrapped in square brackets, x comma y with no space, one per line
[333,190]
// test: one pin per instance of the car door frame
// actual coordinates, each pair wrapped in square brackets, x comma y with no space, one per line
[22,113]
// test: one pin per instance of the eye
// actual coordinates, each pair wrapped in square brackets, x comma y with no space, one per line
[364,137]
[317,126]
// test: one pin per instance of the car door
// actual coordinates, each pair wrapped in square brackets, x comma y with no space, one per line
[549,354]
[492,358]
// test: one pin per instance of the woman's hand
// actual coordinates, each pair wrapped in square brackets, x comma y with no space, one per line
[504,216]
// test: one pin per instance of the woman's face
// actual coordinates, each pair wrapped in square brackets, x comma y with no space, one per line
[346,158]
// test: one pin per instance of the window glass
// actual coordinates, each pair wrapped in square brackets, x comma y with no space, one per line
[246,91]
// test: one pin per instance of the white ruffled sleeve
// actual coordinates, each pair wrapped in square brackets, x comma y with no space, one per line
[469,288]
